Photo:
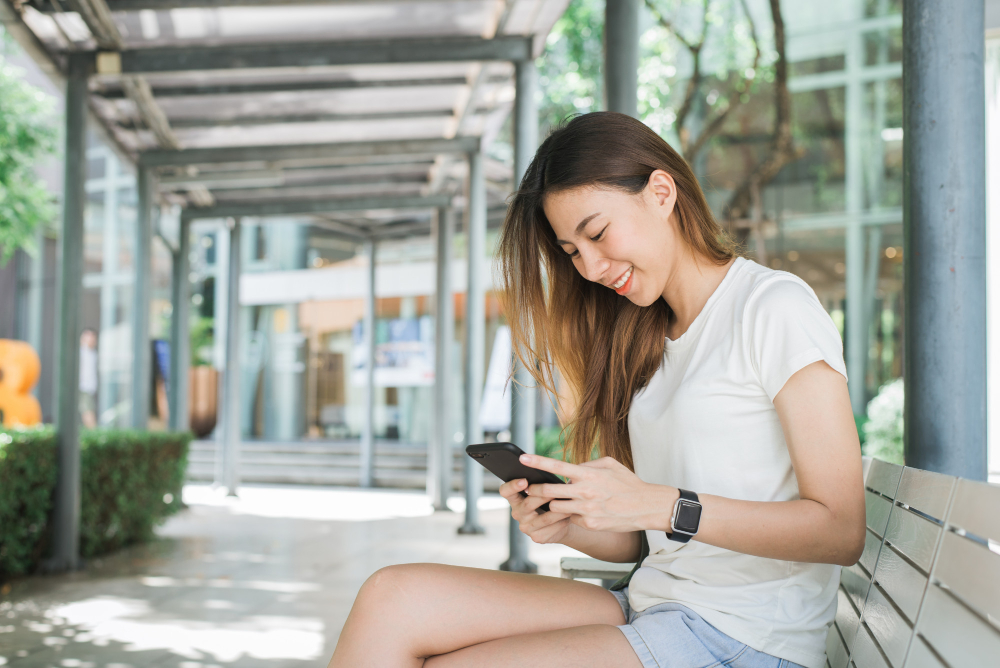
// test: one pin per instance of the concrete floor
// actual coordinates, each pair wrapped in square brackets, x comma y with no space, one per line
[263,580]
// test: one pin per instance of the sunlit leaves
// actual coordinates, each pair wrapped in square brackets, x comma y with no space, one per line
[27,135]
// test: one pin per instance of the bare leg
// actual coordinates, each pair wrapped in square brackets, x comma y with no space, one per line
[404,614]
[596,646]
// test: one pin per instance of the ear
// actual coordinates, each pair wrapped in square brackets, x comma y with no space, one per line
[662,190]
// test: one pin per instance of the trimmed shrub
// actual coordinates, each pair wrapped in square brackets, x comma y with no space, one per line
[130,482]
[884,428]
[28,473]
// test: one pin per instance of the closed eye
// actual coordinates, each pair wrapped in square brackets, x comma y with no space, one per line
[599,234]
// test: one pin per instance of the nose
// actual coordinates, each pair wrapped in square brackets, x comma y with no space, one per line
[591,265]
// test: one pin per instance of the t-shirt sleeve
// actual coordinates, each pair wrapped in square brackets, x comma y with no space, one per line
[786,329]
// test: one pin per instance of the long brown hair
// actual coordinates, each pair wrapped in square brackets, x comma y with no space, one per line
[605,347]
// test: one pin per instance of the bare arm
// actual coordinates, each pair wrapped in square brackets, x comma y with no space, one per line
[825,525]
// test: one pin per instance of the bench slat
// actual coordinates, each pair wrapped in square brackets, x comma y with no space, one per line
[977,509]
[883,477]
[913,536]
[876,512]
[921,656]
[587,568]
[902,582]
[872,545]
[959,636]
[856,582]
[836,653]
[866,654]
[925,491]
[847,619]
[890,630]
[972,572]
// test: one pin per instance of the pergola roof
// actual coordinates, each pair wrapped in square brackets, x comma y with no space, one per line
[285,107]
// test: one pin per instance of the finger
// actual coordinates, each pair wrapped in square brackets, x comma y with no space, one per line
[533,503]
[568,507]
[554,491]
[556,466]
[537,523]
[545,535]
[602,463]
[512,489]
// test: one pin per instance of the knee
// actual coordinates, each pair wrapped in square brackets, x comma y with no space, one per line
[387,586]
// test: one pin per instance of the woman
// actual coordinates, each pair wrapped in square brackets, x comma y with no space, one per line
[688,368]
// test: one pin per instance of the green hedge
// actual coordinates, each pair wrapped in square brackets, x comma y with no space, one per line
[130,482]
[27,479]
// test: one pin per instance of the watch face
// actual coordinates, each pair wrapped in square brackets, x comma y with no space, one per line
[688,515]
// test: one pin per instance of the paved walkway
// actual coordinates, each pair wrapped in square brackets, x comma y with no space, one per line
[264,580]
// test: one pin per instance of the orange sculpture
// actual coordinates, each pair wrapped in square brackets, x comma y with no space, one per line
[19,369]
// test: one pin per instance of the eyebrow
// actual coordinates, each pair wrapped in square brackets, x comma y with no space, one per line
[580,227]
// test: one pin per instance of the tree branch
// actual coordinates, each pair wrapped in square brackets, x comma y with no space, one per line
[735,97]
[782,150]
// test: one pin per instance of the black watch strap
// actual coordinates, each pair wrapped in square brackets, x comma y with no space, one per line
[680,536]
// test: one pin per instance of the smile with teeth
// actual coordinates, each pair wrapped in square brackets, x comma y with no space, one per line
[621,281]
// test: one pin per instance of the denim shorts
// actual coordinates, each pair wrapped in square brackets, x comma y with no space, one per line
[670,635]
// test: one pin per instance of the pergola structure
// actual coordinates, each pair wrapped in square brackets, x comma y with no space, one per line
[369,117]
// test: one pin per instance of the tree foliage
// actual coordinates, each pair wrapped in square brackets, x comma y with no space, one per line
[27,135]
[571,72]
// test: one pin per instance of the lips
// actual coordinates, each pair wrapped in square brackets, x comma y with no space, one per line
[624,282]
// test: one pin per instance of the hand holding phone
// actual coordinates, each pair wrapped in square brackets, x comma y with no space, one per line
[503,460]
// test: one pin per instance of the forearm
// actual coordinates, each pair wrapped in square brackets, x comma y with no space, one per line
[613,546]
[800,530]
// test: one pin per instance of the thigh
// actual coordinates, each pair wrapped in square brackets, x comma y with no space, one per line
[597,646]
[426,610]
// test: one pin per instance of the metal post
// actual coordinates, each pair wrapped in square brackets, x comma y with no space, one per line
[522,410]
[440,451]
[621,55]
[475,339]
[36,300]
[944,233]
[856,331]
[368,428]
[66,510]
[944,227]
[141,358]
[231,382]
[180,334]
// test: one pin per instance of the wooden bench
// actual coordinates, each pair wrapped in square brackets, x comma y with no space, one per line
[926,591]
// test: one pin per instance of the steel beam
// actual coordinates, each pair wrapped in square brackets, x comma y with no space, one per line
[523,397]
[439,451]
[304,207]
[190,58]
[163,5]
[944,228]
[66,508]
[180,334]
[621,55]
[141,357]
[475,339]
[367,450]
[371,150]
[231,391]
[277,119]
[284,86]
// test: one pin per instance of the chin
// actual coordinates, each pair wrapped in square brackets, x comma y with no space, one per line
[642,300]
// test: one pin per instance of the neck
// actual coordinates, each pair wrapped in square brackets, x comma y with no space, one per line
[689,288]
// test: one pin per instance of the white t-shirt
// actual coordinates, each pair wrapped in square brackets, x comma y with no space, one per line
[706,422]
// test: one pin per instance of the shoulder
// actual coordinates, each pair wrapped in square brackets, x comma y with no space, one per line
[766,291]
[778,291]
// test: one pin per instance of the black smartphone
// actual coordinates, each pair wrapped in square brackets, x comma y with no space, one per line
[503,461]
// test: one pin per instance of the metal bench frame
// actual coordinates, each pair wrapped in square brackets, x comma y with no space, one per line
[925,592]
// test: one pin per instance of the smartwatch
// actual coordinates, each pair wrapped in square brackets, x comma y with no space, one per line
[686,517]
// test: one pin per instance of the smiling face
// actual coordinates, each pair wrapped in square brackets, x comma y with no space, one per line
[628,243]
